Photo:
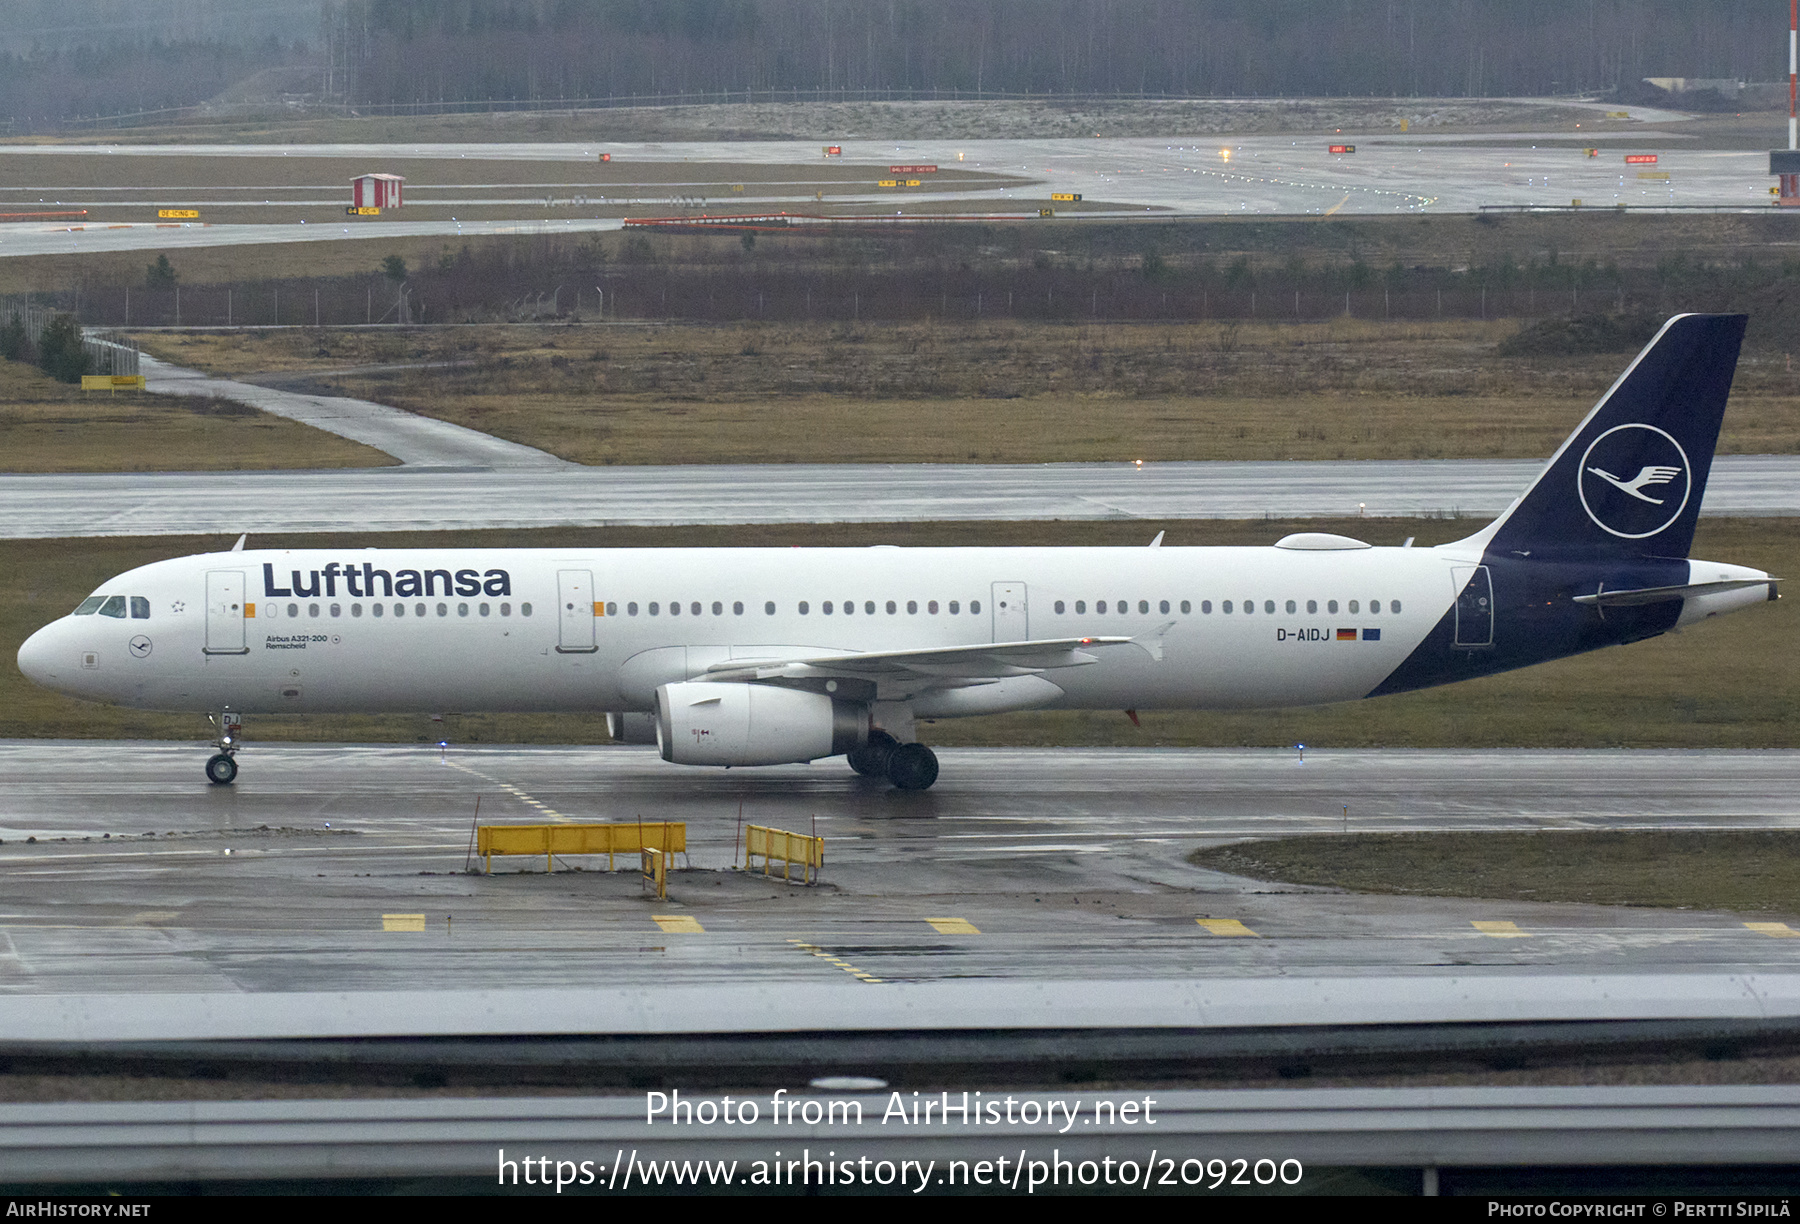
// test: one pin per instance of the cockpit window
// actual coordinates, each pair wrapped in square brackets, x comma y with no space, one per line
[114,606]
[140,608]
[90,605]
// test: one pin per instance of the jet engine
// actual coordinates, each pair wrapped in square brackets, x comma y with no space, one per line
[702,723]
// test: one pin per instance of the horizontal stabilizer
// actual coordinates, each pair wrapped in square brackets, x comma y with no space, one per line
[1664,594]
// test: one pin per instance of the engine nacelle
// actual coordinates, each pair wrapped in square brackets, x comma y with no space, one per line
[701,723]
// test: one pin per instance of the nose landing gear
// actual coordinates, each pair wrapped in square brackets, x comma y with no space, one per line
[221,767]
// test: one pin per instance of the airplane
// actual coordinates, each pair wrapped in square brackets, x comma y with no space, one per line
[759,656]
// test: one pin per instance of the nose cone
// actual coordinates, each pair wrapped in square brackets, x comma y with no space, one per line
[37,657]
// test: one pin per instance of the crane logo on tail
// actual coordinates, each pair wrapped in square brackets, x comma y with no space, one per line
[1634,481]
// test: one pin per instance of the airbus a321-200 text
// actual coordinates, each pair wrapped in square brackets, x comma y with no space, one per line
[769,656]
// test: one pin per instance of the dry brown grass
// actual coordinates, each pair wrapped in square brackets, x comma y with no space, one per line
[999,391]
[48,426]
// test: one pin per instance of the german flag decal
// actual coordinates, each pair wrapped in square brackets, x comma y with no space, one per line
[1346,635]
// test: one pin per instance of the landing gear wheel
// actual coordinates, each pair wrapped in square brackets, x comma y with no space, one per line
[221,770]
[871,760]
[912,767]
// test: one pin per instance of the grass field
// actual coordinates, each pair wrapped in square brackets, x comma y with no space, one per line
[999,392]
[1716,870]
[49,426]
[1727,684]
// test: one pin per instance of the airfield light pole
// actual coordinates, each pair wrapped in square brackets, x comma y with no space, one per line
[1785,163]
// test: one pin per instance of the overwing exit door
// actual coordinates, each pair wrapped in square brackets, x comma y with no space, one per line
[575,612]
[1012,620]
[225,613]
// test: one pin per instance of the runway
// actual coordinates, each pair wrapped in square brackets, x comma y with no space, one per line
[1389,173]
[1022,870]
[439,499]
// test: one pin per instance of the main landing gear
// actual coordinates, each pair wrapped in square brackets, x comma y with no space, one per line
[907,766]
[221,768]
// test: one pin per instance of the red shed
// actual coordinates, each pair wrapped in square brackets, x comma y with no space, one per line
[375,191]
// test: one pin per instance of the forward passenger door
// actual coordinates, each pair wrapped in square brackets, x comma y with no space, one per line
[575,612]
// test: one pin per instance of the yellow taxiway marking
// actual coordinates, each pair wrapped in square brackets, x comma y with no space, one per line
[1226,926]
[1500,930]
[147,917]
[678,924]
[1779,930]
[953,926]
[846,966]
[403,922]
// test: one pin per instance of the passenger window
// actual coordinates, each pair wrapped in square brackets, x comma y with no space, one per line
[1269,606]
[1205,607]
[1249,606]
[294,610]
[1099,605]
[1312,605]
[1164,605]
[912,607]
[804,608]
[312,610]
[1331,605]
[825,607]
[1292,606]
[1375,605]
[737,608]
[89,606]
[377,610]
[1225,607]
[1186,607]
[718,608]
[140,608]
[694,608]
[654,608]
[484,609]
[674,608]
[931,607]
[524,610]
[1144,607]
[955,607]
[338,609]
[1059,607]
[631,609]
[114,606]
[1353,605]
[1394,606]
[892,607]
[769,608]
[505,609]
[355,609]
[1080,606]
[974,606]
[462,609]
[443,609]
[849,607]
[869,607]
[612,609]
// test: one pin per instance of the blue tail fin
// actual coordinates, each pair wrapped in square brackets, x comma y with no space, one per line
[1628,482]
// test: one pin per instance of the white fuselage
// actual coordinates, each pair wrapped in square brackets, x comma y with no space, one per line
[596,629]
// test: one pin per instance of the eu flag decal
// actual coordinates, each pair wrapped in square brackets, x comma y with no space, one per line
[1371,635]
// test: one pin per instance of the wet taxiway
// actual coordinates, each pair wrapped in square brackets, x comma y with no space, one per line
[336,868]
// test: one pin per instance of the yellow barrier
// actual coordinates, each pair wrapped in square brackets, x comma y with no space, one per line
[176,214]
[655,866]
[670,837]
[112,382]
[790,848]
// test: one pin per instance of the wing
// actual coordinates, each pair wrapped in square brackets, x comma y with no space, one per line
[934,667]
